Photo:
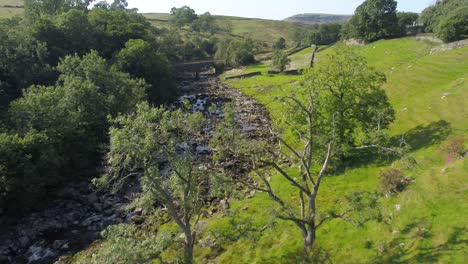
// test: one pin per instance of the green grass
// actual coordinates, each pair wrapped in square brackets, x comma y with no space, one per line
[11,2]
[6,12]
[265,31]
[299,60]
[431,226]
[10,12]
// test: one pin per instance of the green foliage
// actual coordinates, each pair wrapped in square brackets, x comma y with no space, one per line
[280,60]
[454,26]
[205,23]
[119,5]
[139,143]
[434,14]
[28,165]
[183,16]
[140,60]
[234,52]
[424,120]
[23,61]
[73,116]
[328,33]
[280,44]
[350,102]
[126,244]
[374,20]
[406,19]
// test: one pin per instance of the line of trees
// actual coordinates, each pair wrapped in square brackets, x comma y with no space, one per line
[64,70]
[447,19]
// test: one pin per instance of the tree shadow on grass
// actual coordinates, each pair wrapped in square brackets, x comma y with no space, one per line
[413,245]
[425,136]
[419,137]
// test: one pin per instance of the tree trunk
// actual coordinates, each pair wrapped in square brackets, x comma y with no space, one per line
[189,243]
[309,239]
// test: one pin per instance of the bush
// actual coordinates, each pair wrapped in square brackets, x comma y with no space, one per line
[393,181]
[455,146]
[280,60]
[453,27]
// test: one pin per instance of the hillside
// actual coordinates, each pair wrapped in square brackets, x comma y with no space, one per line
[263,30]
[427,92]
[317,19]
[9,8]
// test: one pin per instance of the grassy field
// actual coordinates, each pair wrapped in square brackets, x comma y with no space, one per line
[428,92]
[6,12]
[265,31]
[262,30]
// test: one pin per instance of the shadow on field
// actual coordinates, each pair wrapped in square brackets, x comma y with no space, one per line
[419,137]
[414,245]
[428,135]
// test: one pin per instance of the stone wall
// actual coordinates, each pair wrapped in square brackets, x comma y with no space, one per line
[450,46]
[241,76]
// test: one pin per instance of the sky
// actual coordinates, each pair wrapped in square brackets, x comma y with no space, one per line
[268,9]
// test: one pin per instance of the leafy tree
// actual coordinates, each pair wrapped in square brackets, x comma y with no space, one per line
[280,60]
[454,26]
[280,44]
[183,16]
[112,29]
[75,30]
[375,19]
[140,60]
[23,62]
[28,165]
[72,115]
[234,53]
[119,5]
[347,31]
[139,143]
[205,23]
[309,155]
[328,33]
[102,4]
[432,15]
[351,96]
[126,244]
[405,19]
[35,9]
[171,44]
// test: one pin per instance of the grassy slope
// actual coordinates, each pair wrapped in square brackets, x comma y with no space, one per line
[267,31]
[6,12]
[431,225]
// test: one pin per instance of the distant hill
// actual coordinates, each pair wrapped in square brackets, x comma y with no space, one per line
[262,30]
[312,19]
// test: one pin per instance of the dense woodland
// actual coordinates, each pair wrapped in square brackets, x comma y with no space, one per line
[85,90]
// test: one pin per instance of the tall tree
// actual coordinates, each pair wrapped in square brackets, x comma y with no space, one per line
[332,102]
[140,60]
[376,19]
[73,117]
[280,60]
[140,143]
[183,16]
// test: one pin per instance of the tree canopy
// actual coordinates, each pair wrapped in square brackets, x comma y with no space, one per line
[374,20]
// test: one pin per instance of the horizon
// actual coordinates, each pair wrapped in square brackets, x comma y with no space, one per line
[277,10]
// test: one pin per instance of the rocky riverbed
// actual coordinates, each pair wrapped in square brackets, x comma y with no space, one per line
[78,214]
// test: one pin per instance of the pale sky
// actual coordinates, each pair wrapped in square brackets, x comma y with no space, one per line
[269,9]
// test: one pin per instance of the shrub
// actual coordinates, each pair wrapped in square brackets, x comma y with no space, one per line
[280,60]
[455,146]
[393,181]
[453,27]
